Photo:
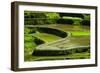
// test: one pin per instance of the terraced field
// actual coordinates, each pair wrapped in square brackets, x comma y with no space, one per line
[78,38]
[44,36]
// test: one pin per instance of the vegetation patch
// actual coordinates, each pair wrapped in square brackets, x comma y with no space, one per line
[52,35]
[80,33]
[57,52]
[82,55]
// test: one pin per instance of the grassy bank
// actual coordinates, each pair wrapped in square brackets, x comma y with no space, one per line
[30,45]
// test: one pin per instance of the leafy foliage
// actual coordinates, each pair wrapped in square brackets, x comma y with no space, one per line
[43,18]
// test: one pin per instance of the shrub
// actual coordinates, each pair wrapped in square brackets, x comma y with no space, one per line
[65,21]
[71,15]
[53,31]
[38,41]
[27,30]
[28,38]
[86,22]
[55,52]
[48,52]
[40,18]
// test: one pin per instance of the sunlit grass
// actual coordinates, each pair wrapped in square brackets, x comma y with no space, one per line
[46,37]
[80,33]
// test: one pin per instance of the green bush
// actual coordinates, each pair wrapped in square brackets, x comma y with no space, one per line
[27,30]
[54,52]
[28,38]
[29,45]
[48,52]
[72,15]
[86,22]
[76,20]
[86,16]
[40,18]
[38,41]
[53,31]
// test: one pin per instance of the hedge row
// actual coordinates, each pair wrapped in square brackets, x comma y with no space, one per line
[60,52]
[41,18]
[52,31]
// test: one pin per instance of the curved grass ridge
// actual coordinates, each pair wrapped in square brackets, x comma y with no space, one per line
[42,46]
[51,49]
[49,31]
[71,50]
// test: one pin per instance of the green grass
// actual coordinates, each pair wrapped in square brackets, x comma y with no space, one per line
[72,18]
[80,33]
[46,37]
[29,44]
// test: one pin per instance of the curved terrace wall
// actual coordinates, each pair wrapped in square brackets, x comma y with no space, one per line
[51,31]
[61,52]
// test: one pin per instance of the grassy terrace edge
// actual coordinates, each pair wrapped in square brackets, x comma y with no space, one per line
[78,50]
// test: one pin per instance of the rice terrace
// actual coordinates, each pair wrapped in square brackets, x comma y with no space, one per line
[56,36]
